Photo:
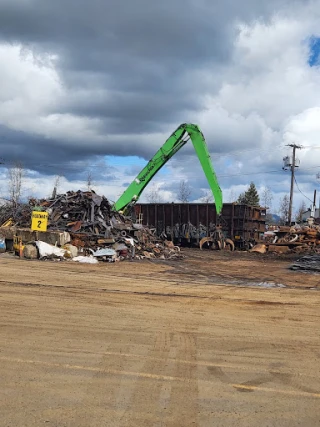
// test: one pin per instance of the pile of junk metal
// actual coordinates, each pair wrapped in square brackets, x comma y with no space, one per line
[83,227]
[295,239]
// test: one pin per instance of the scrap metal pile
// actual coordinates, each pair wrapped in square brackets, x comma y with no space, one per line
[307,263]
[97,230]
[10,213]
[296,239]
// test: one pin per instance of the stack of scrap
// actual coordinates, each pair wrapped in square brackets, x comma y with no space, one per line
[19,214]
[84,212]
[97,230]
[307,263]
[293,239]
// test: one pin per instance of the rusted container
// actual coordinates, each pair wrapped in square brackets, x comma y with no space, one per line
[190,222]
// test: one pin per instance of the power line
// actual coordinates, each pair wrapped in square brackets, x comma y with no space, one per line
[264,172]
[249,173]
[120,165]
[301,191]
[241,173]
[247,151]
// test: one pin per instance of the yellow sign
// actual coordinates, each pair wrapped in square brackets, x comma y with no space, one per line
[39,221]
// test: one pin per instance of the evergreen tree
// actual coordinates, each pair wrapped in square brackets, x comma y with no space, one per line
[250,197]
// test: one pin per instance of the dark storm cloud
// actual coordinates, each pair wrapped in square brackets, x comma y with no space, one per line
[133,64]
[44,155]
[52,156]
[136,111]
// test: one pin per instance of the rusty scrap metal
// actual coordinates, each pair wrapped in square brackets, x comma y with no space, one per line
[307,263]
[298,238]
[94,226]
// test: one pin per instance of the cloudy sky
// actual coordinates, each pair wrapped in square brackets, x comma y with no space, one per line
[96,87]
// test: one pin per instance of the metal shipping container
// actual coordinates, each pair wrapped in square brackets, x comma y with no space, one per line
[190,222]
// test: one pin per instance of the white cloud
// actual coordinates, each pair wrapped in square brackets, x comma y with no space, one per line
[304,128]
[271,73]
[28,89]
[30,92]
[269,97]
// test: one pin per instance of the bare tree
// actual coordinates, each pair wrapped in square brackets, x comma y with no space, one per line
[232,196]
[266,197]
[15,177]
[266,201]
[301,210]
[208,197]
[284,209]
[90,182]
[184,192]
[153,195]
[56,186]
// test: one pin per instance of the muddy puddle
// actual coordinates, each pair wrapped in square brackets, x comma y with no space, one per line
[228,280]
[257,284]
[247,283]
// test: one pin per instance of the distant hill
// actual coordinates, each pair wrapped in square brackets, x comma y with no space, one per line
[274,218]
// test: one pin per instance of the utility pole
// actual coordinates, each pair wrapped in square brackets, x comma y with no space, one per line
[292,164]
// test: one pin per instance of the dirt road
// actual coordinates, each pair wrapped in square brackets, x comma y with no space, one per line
[213,340]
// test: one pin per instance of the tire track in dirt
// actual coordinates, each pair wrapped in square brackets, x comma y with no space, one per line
[291,380]
[147,392]
[183,409]
[272,377]
[107,396]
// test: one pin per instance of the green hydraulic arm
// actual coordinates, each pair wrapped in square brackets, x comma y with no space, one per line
[173,144]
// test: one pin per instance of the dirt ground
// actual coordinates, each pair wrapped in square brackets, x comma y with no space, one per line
[212,340]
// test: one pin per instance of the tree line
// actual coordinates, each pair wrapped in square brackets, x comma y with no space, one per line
[249,197]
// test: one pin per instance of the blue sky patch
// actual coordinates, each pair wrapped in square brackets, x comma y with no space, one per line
[131,165]
[117,161]
[314,51]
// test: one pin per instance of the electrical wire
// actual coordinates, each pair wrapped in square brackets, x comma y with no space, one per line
[110,166]
[221,176]
[301,191]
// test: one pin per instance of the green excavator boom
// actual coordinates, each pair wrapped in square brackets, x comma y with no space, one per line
[173,144]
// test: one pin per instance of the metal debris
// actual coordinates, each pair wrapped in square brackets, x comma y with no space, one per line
[307,263]
[96,230]
[297,238]
[260,248]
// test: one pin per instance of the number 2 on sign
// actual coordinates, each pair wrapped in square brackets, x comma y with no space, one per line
[39,220]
